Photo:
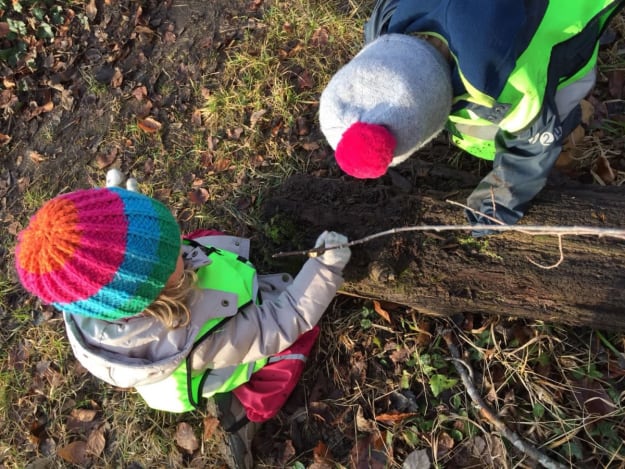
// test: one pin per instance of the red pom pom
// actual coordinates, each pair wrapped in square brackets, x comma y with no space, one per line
[365,150]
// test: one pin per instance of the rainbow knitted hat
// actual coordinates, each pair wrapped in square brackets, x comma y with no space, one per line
[105,253]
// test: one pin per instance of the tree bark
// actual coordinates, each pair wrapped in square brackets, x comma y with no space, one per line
[451,272]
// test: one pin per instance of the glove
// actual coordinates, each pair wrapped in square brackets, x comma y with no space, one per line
[114,178]
[333,257]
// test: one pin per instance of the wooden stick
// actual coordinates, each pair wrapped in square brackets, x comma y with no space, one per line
[531,230]
[514,438]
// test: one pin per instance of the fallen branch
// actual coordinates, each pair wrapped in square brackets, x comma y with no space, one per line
[518,442]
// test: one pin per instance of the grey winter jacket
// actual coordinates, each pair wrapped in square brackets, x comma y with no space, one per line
[141,350]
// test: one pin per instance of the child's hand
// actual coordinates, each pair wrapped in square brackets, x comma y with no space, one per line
[333,257]
[114,178]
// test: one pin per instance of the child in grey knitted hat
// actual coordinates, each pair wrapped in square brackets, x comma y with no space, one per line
[506,81]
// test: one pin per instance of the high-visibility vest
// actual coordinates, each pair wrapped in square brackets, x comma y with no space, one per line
[183,389]
[491,102]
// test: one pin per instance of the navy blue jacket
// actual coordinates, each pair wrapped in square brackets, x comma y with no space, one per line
[485,37]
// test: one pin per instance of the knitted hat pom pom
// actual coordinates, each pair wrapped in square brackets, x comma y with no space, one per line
[365,150]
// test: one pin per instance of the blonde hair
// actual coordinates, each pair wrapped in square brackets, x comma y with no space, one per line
[171,307]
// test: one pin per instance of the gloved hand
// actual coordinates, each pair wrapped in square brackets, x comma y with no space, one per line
[114,178]
[333,257]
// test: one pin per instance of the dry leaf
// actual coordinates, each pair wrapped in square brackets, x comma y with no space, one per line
[91,10]
[96,441]
[222,164]
[255,117]
[305,81]
[104,160]
[4,29]
[445,444]
[310,146]
[588,110]
[369,452]
[75,453]
[320,37]
[117,79]
[140,92]
[394,417]
[210,425]
[196,118]
[288,453]
[381,311]
[303,126]
[4,139]
[364,424]
[198,196]
[602,171]
[185,438]
[234,134]
[149,125]
[84,415]
[36,157]
[418,459]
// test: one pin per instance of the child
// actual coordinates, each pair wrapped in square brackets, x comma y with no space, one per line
[504,78]
[175,319]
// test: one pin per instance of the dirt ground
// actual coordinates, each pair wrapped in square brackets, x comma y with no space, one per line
[168,47]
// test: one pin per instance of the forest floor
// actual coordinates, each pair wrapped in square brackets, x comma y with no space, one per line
[211,105]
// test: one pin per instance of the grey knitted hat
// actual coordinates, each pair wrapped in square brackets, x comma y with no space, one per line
[393,97]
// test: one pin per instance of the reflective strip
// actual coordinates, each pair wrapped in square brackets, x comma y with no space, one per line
[291,356]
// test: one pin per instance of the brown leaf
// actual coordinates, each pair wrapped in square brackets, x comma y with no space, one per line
[140,92]
[601,169]
[4,139]
[196,118]
[588,111]
[305,81]
[310,146]
[4,29]
[322,457]
[255,117]
[381,311]
[84,415]
[445,444]
[223,164]
[594,398]
[303,126]
[149,125]
[148,166]
[234,134]
[75,453]
[287,453]
[320,37]
[185,438]
[104,160]
[210,425]
[364,424]
[36,157]
[394,417]
[117,79]
[91,10]
[369,453]
[198,196]
[96,441]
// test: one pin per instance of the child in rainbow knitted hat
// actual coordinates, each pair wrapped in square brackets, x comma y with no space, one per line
[176,319]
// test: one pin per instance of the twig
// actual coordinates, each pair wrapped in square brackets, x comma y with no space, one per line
[518,442]
[552,266]
[531,230]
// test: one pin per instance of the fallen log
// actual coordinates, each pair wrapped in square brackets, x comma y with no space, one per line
[447,273]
